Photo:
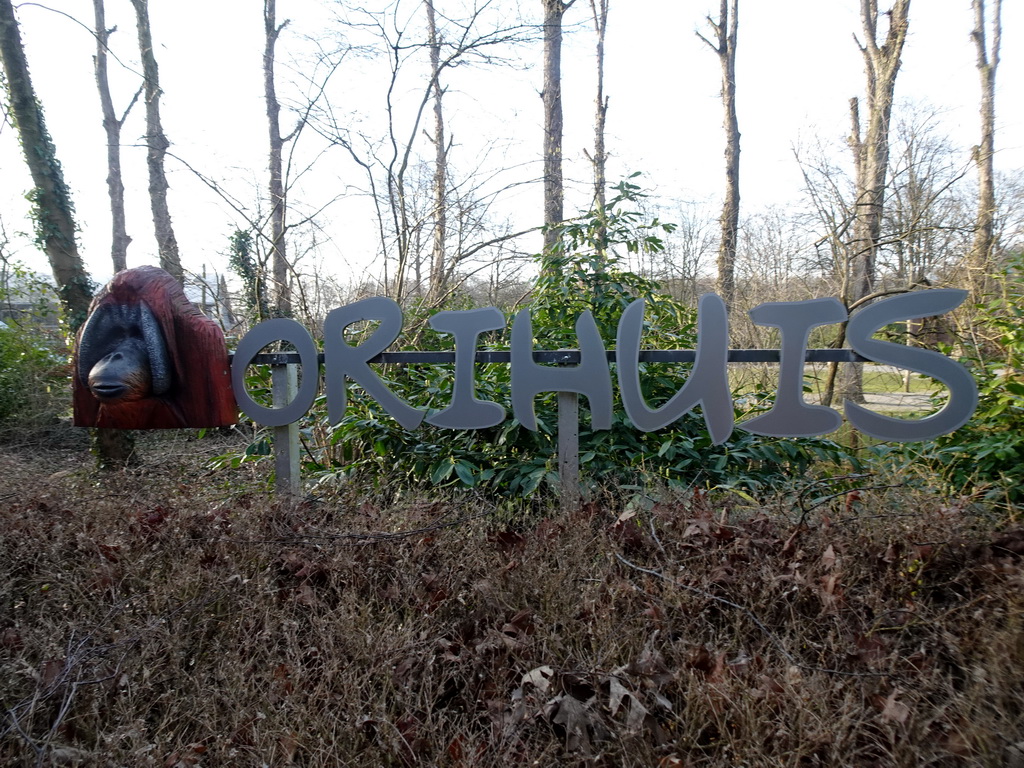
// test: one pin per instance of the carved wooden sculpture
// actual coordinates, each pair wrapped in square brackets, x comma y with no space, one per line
[147,358]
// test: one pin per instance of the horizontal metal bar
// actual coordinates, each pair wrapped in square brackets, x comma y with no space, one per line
[572,357]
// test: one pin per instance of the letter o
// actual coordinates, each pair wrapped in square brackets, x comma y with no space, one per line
[267,332]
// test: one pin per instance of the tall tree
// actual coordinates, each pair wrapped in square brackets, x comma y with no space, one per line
[112,125]
[438,269]
[987,63]
[279,267]
[928,223]
[157,144]
[870,141]
[724,46]
[554,196]
[599,9]
[53,210]
[870,146]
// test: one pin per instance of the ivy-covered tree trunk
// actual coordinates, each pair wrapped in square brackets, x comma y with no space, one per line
[54,213]
[53,210]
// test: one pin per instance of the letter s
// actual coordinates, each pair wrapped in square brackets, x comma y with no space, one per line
[963,392]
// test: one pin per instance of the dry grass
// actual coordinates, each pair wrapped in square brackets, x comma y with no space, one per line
[171,616]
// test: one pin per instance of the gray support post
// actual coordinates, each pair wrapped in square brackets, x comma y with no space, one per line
[284,384]
[569,451]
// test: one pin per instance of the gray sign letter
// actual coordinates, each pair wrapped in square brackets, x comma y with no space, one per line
[341,359]
[790,416]
[467,411]
[591,377]
[707,384]
[262,335]
[963,392]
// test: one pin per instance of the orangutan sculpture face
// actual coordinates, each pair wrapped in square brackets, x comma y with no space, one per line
[122,354]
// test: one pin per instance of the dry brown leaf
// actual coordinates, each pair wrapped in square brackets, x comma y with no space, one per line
[895,711]
[304,595]
[870,648]
[828,584]
[616,693]
[540,678]
[49,671]
[793,675]
[699,528]
[828,559]
[637,714]
[289,743]
[700,658]
[651,665]
[11,639]
[572,715]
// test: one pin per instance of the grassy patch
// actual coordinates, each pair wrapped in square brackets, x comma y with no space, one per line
[170,616]
[882,381]
[877,380]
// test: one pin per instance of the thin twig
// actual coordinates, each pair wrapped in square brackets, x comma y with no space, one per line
[829,480]
[655,535]
[829,498]
[373,536]
[750,615]
[70,677]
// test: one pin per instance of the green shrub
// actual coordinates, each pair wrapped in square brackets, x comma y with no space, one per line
[33,376]
[986,455]
[584,273]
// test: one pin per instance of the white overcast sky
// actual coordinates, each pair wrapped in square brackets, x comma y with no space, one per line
[797,69]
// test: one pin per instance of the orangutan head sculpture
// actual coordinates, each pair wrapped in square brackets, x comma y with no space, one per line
[147,358]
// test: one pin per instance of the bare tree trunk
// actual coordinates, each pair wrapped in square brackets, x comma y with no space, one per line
[53,210]
[724,46]
[225,313]
[983,247]
[849,275]
[552,95]
[113,447]
[157,144]
[599,8]
[882,64]
[281,297]
[870,147]
[438,270]
[119,239]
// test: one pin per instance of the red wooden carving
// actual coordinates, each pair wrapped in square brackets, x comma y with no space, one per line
[147,358]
